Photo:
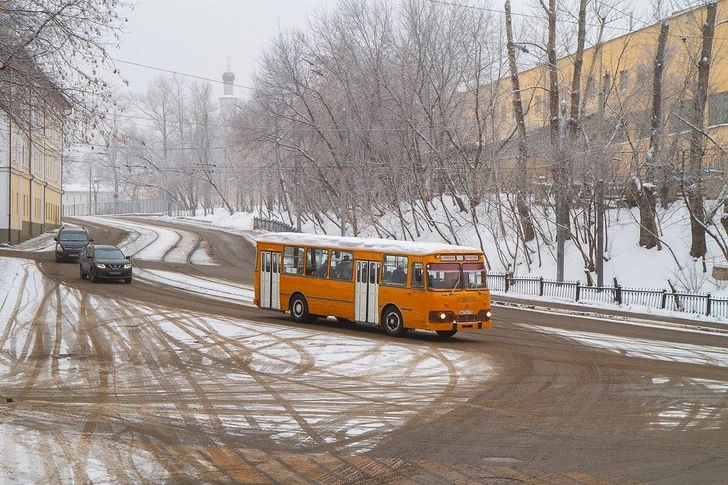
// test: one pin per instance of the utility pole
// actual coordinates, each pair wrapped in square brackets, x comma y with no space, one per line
[560,202]
[297,182]
[345,137]
[600,186]
[90,188]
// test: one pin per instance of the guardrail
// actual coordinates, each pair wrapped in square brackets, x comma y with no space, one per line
[694,303]
[272,225]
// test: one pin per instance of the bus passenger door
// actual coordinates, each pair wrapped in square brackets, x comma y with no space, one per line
[366,300]
[270,280]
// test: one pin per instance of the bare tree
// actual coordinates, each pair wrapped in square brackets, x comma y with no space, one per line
[694,182]
[68,41]
[647,196]
[522,160]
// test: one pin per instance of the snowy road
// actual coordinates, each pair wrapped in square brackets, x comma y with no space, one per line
[175,378]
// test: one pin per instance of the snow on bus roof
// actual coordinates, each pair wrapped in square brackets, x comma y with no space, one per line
[372,244]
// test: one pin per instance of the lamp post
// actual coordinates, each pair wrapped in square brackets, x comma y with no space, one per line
[560,202]
[345,137]
[297,186]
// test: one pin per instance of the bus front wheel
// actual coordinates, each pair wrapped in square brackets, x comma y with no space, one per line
[393,323]
[299,309]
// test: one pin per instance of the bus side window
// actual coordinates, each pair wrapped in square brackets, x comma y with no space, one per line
[317,262]
[292,260]
[341,266]
[394,270]
[417,280]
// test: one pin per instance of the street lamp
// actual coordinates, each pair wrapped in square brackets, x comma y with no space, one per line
[345,136]
[560,202]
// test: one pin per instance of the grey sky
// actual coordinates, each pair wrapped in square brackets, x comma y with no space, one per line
[196,37]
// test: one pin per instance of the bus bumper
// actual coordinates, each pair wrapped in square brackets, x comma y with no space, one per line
[445,326]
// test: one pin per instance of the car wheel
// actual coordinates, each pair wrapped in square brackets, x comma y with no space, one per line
[58,260]
[446,333]
[392,322]
[83,275]
[127,280]
[299,309]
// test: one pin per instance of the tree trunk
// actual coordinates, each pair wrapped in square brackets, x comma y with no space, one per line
[521,174]
[578,63]
[647,200]
[697,144]
[647,194]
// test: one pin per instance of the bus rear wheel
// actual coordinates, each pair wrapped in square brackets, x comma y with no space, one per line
[446,333]
[392,322]
[299,309]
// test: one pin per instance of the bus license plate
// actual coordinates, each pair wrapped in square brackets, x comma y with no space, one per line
[466,312]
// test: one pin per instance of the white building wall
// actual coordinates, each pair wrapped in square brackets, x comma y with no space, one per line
[4,139]
[4,169]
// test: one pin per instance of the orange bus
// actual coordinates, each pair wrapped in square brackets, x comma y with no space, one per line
[397,285]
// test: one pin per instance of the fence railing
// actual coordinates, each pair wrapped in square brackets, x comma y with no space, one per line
[136,206]
[272,225]
[694,303]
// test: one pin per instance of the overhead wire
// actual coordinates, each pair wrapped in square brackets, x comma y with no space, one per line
[178,73]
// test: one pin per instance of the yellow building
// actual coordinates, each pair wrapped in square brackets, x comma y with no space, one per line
[623,68]
[31,120]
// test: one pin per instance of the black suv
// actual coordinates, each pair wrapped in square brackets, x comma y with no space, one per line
[105,262]
[70,243]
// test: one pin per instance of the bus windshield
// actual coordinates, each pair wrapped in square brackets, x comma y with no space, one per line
[452,276]
[474,275]
[443,276]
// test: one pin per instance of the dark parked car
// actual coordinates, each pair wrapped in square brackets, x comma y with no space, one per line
[70,243]
[105,262]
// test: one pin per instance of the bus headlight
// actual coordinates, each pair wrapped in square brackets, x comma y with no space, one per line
[484,315]
[444,316]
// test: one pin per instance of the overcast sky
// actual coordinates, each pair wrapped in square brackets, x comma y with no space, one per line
[197,37]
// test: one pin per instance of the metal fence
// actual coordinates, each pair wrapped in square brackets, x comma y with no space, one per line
[272,225]
[137,206]
[694,303]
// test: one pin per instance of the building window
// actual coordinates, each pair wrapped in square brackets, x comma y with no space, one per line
[642,76]
[718,108]
[589,88]
[680,116]
[624,80]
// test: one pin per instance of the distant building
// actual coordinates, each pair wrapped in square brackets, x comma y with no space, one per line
[32,110]
[81,200]
[623,69]
[228,101]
